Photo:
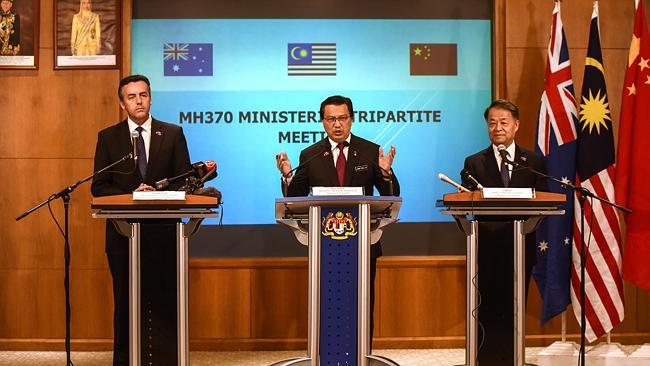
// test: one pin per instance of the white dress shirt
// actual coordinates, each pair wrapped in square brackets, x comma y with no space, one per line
[146,132]
[335,150]
[511,156]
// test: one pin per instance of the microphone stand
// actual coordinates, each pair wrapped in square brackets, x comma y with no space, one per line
[64,194]
[582,194]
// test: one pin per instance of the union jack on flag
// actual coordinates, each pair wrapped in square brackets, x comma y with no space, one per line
[187,59]
[556,142]
[176,51]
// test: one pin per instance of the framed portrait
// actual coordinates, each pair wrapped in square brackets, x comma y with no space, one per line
[86,34]
[19,34]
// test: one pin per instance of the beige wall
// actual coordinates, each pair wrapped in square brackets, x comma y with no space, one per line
[50,123]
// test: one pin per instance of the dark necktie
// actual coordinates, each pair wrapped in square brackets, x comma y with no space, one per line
[505,175]
[142,153]
[341,163]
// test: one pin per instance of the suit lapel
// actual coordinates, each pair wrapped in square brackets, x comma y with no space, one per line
[327,166]
[352,161]
[518,175]
[124,143]
[492,167]
[125,137]
[157,135]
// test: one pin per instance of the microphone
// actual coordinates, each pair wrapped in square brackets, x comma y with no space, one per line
[465,175]
[446,179]
[301,165]
[199,170]
[134,141]
[211,167]
[504,154]
[388,177]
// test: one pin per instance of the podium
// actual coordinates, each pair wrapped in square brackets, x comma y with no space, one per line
[119,209]
[526,215]
[338,230]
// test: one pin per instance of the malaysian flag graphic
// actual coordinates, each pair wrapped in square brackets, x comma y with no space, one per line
[603,283]
[556,142]
[311,59]
[187,59]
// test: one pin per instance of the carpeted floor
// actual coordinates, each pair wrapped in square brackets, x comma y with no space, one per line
[405,357]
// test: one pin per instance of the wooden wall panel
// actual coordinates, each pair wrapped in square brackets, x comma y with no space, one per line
[421,299]
[18,311]
[56,114]
[220,303]
[262,304]
[279,303]
[528,22]
[35,242]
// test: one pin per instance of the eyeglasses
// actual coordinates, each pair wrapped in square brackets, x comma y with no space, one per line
[339,119]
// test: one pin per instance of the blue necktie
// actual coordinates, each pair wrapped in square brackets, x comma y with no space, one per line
[505,175]
[142,153]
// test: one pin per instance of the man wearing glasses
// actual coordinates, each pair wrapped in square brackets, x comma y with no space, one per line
[345,160]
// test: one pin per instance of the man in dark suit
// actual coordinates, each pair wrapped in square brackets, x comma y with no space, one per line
[162,153]
[495,257]
[342,159]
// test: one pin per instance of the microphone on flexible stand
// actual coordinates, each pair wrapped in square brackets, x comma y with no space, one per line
[446,179]
[134,141]
[198,171]
[466,176]
[289,174]
[195,186]
[504,153]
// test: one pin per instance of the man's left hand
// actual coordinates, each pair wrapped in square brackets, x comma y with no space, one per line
[386,161]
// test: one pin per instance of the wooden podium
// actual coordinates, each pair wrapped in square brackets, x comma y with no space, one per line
[119,209]
[526,215]
[338,231]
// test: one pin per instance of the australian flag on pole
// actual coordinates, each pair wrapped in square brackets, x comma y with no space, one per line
[556,142]
[187,59]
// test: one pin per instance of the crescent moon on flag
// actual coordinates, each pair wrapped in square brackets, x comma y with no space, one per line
[293,55]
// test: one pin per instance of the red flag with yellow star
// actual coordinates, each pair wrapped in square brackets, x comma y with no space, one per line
[433,59]
[632,166]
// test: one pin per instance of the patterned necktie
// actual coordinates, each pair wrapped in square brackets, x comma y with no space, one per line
[142,153]
[341,163]
[505,175]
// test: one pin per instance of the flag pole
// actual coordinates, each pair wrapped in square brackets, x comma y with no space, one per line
[564,326]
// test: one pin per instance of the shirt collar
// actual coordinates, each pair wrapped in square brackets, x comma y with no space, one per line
[334,144]
[145,126]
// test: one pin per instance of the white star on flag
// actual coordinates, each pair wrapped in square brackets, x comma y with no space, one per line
[567,241]
[543,245]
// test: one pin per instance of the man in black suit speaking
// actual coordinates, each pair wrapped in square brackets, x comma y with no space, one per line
[342,159]
[162,153]
[495,257]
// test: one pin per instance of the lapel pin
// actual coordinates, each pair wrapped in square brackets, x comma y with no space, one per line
[524,158]
[158,133]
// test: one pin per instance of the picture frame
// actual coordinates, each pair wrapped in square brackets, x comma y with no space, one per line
[87,34]
[19,30]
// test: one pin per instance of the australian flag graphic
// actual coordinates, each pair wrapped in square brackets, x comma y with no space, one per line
[187,59]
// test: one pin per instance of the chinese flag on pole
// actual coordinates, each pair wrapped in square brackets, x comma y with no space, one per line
[632,181]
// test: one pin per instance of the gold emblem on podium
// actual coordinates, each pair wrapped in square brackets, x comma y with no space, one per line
[339,226]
